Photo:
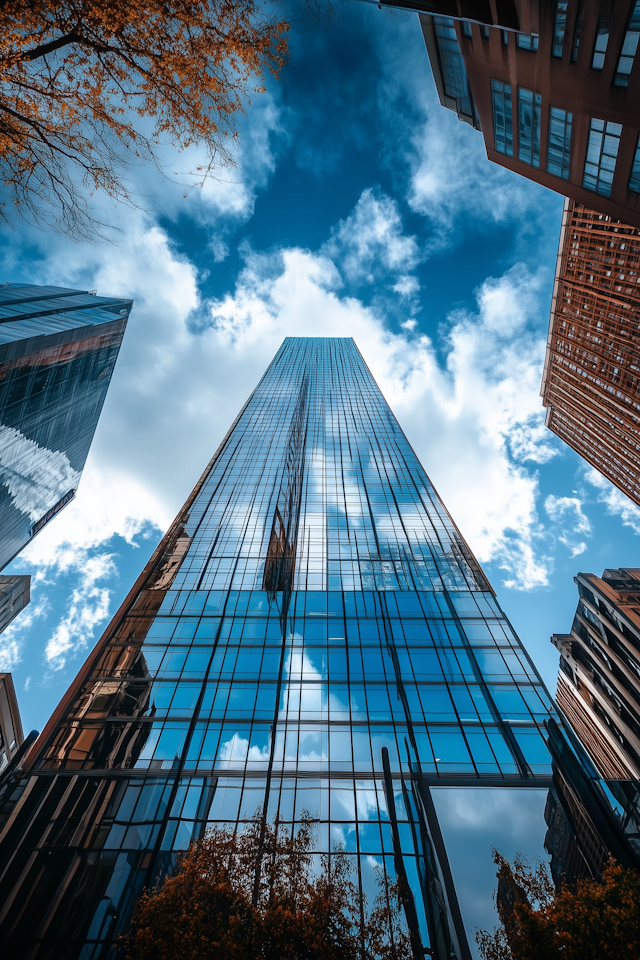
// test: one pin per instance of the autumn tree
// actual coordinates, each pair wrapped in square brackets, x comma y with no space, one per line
[588,920]
[90,87]
[258,893]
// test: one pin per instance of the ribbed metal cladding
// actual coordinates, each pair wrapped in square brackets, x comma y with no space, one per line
[591,383]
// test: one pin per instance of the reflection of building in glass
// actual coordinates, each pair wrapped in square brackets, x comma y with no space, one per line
[591,379]
[556,94]
[11,735]
[58,348]
[312,633]
[15,593]
[599,678]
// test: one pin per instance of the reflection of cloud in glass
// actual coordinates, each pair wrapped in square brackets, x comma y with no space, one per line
[234,752]
[37,478]
[475,819]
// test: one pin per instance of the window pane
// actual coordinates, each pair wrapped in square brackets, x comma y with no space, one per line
[602,151]
[559,146]
[529,127]
[502,117]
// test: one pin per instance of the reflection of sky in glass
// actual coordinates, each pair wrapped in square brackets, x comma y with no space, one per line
[473,821]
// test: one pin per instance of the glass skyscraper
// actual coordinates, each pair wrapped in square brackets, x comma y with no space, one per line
[58,348]
[313,633]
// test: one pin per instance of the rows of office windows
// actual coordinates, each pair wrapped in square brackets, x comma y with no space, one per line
[602,148]
[626,56]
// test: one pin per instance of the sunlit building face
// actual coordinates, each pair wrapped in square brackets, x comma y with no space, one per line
[312,634]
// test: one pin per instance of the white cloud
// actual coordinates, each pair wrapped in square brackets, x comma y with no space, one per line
[480,417]
[88,607]
[409,325]
[451,181]
[175,391]
[13,637]
[407,287]
[567,515]
[617,503]
[371,241]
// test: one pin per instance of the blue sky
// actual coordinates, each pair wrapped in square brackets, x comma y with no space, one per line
[358,207]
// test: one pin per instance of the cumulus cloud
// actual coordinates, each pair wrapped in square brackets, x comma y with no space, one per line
[570,521]
[617,503]
[450,181]
[13,637]
[371,241]
[478,417]
[88,607]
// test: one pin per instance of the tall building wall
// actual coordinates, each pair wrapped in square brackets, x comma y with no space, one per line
[313,633]
[591,379]
[58,349]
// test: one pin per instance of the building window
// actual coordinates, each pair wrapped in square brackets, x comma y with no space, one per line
[560,27]
[526,41]
[629,48]
[485,31]
[454,73]
[502,117]
[576,34]
[600,165]
[529,127]
[505,38]
[602,39]
[634,180]
[466,29]
[559,149]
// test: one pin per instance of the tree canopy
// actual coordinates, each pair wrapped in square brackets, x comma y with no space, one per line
[588,920]
[78,77]
[264,893]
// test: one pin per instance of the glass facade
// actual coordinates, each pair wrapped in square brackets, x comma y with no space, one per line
[313,633]
[502,117]
[58,349]
[602,153]
[559,146]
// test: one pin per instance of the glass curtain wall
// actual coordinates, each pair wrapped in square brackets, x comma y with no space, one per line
[312,634]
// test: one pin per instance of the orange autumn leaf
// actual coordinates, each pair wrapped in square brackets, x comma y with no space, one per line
[80,80]
[258,893]
[587,920]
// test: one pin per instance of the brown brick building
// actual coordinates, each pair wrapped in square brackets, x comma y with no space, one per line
[591,378]
[560,104]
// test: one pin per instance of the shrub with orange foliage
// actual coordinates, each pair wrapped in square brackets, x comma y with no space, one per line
[591,920]
[77,76]
[257,894]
